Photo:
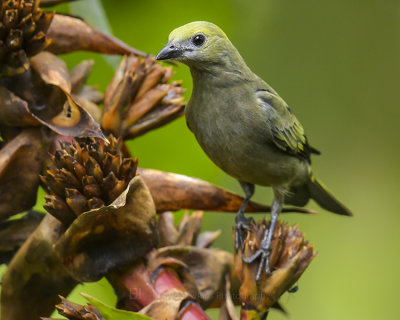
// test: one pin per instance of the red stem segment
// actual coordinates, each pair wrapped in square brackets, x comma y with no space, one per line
[135,290]
[167,279]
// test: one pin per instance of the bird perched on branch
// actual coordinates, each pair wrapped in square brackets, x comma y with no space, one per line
[245,127]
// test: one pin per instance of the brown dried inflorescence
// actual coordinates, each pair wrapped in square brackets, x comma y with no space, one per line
[50,96]
[86,174]
[23,27]
[140,98]
[290,256]
[75,311]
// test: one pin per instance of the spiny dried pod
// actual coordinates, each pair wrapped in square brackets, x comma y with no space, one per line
[140,98]
[23,27]
[290,256]
[86,174]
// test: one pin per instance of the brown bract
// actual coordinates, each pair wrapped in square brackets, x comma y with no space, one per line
[140,98]
[167,306]
[102,239]
[183,248]
[44,96]
[68,34]
[290,256]
[72,120]
[203,270]
[21,159]
[173,192]
[35,276]
[13,233]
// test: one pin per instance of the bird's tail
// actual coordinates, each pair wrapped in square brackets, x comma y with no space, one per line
[314,189]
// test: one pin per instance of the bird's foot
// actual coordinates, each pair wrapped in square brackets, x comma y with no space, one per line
[242,224]
[264,251]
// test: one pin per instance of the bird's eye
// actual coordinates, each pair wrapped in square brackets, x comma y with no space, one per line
[198,40]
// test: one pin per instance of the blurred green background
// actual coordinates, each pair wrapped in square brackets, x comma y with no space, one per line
[337,64]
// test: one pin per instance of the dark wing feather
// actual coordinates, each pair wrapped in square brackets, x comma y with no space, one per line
[287,132]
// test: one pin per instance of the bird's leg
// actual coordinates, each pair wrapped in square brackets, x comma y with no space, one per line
[242,223]
[265,248]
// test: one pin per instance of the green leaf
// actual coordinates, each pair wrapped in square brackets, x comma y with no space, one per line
[110,313]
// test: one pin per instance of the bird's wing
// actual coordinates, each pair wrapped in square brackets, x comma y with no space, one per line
[287,132]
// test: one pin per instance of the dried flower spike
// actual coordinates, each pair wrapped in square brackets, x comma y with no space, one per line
[75,311]
[23,27]
[87,174]
[139,98]
[290,256]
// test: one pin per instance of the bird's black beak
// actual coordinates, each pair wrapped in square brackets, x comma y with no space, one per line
[170,51]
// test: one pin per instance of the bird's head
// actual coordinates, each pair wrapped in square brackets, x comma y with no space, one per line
[197,44]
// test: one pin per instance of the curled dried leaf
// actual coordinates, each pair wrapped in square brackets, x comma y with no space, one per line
[167,307]
[73,121]
[52,70]
[68,34]
[13,233]
[102,239]
[43,96]
[35,276]
[14,111]
[21,161]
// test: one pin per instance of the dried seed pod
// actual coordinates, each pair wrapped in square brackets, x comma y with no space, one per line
[140,98]
[86,174]
[290,256]
[22,34]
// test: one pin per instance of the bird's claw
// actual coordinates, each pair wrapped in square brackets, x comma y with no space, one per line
[265,252]
[242,223]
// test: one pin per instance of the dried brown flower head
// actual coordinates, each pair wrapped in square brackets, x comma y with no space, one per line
[290,256]
[86,174]
[75,311]
[23,27]
[140,98]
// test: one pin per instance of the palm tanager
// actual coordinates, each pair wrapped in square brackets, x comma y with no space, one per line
[245,127]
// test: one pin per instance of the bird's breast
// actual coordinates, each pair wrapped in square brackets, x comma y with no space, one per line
[236,138]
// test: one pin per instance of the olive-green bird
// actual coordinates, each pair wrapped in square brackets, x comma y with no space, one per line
[245,127]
